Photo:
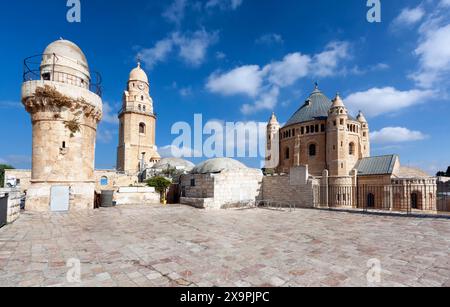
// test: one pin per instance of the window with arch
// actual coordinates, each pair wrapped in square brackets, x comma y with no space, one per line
[139,107]
[144,108]
[287,154]
[142,128]
[370,200]
[312,150]
[104,181]
[142,98]
[351,149]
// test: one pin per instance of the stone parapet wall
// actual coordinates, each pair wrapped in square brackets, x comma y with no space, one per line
[136,195]
[14,198]
[280,189]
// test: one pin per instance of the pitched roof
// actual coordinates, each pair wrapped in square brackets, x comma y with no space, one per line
[383,165]
[315,107]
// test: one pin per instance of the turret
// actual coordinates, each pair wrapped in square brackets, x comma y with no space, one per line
[272,144]
[365,135]
[337,147]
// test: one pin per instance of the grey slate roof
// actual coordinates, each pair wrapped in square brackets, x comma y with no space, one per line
[383,165]
[315,107]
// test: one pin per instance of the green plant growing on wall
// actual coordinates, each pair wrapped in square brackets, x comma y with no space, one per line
[161,186]
[73,126]
[4,167]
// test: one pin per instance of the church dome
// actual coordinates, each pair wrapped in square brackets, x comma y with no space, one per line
[174,163]
[64,53]
[138,74]
[316,107]
[218,165]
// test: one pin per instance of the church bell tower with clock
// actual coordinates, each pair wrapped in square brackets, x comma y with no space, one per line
[137,120]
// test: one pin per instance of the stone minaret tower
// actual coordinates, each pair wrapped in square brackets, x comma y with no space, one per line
[365,135]
[64,113]
[337,147]
[273,143]
[137,149]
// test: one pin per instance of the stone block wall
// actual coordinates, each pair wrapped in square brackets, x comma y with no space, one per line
[14,197]
[279,188]
[137,196]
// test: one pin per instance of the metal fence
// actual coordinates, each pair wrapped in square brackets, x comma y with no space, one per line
[3,210]
[407,198]
[32,72]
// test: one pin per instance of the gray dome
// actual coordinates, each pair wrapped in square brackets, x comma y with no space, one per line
[174,163]
[218,165]
[316,107]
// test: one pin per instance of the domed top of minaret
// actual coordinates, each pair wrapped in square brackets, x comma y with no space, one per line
[138,74]
[64,53]
[337,102]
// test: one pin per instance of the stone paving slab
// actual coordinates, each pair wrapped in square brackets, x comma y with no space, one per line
[153,246]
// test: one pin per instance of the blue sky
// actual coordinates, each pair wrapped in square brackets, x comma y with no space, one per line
[197,52]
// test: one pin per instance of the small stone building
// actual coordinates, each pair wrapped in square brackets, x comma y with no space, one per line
[220,183]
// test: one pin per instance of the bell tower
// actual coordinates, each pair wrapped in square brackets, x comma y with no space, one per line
[273,143]
[337,147]
[137,120]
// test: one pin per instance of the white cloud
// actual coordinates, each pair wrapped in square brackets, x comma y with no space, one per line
[109,115]
[325,64]
[396,135]
[158,53]
[171,151]
[286,72]
[270,39]
[444,3]
[224,4]
[191,47]
[434,56]
[186,91]
[408,17]
[220,55]
[377,101]
[267,101]
[176,11]
[242,80]
[264,83]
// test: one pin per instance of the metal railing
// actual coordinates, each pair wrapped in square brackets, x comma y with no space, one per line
[32,72]
[406,198]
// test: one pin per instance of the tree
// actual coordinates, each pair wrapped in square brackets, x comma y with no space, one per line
[3,167]
[448,172]
[161,186]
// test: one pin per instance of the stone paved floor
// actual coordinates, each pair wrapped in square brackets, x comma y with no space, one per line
[154,246]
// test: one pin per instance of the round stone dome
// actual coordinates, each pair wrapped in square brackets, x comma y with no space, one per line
[174,163]
[218,165]
[63,56]
[316,107]
[138,74]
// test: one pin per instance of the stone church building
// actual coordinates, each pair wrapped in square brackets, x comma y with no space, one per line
[335,148]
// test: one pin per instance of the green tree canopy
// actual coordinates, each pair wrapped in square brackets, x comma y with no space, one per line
[3,167]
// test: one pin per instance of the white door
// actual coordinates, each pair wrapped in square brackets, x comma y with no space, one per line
[60,199]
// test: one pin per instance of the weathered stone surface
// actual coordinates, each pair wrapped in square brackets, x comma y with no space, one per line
[179,246]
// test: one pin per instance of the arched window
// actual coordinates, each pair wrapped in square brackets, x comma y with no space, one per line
[370,200]
[144,108]
[312,150]
[142,98]
[287,154]
[352,149]
[142,128]
[104,181]
[140,107]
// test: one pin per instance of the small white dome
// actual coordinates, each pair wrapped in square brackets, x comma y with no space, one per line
[337,102]
[174,163]
[67,49]
[63,56]
[138,74]
[218,165]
